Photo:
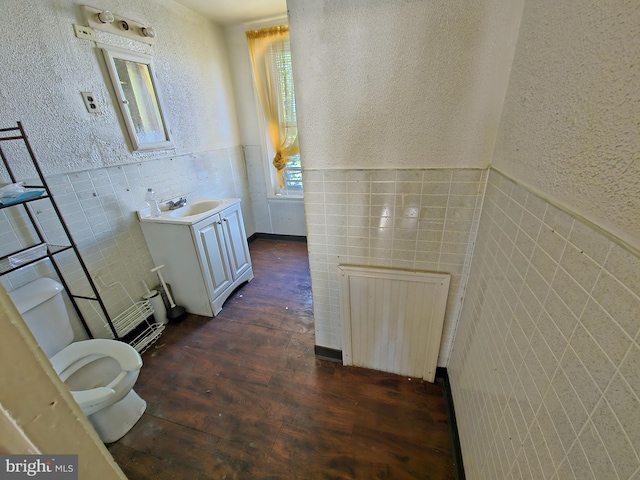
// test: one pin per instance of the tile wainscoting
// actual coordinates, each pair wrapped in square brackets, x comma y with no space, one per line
[545,367]
[280,215]
[100,207]
[407,219]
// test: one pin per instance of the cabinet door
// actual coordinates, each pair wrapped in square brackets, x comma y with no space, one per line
[236,240]
[214,252]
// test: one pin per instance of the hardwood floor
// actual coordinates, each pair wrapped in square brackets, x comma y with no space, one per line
[241,396]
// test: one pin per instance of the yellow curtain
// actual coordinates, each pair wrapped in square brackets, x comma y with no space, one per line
[268,48]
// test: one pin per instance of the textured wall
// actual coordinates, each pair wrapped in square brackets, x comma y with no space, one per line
[98,183]
[545,364]
[401,84]
[45,67]
[570,121]
[544,367]
[394,86]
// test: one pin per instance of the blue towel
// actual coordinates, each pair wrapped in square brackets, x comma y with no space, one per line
[22,197]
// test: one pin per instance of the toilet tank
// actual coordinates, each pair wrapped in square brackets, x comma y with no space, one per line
[42,307]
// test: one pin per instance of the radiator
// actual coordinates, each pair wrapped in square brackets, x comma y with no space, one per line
[392,319]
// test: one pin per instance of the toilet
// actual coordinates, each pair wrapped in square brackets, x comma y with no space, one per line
[100,373]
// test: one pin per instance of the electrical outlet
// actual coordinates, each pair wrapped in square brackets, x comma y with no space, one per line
[84,32]
[90,102]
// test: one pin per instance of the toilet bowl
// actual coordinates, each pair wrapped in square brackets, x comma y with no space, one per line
[100,373]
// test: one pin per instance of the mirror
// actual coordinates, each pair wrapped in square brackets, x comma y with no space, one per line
[135,85]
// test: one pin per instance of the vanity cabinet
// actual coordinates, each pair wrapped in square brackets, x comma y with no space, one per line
[204,262]
[224,254]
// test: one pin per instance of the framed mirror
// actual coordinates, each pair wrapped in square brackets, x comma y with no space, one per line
[135,86]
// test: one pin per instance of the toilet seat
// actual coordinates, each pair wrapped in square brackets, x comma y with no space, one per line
[78,354]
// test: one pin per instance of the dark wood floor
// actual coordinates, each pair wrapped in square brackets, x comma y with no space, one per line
[241,396]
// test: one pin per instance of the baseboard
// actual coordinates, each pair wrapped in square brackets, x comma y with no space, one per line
[277,236]
[326,353]
[442,376]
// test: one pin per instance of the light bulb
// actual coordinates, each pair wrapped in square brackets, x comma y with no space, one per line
[149,32]
[106,17]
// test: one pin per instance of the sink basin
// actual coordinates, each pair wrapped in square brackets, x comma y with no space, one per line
[196,208]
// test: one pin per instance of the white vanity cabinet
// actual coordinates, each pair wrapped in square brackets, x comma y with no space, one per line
[204,262]
[224,255]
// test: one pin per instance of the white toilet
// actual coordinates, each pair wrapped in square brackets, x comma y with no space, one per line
[100,373]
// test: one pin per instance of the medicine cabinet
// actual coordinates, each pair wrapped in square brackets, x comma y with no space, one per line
[135,85]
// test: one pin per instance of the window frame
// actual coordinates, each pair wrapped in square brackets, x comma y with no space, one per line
[271,182]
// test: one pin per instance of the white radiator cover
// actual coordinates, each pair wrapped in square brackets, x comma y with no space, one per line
[392,319]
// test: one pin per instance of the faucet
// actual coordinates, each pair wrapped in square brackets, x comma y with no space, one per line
[181,202]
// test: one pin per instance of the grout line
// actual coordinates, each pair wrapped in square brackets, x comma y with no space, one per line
[444,222]
[635,250]
[613,464]
[490,257]
[469,257]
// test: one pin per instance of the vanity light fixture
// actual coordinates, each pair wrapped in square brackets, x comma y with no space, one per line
[106,21]
[105,17]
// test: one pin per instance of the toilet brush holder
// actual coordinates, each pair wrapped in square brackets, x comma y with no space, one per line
[157,303]
[175,313]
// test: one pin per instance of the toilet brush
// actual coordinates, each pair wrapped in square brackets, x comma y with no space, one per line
[175,313]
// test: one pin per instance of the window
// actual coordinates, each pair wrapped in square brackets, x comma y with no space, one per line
[293,172]
[293,175]
[273,80]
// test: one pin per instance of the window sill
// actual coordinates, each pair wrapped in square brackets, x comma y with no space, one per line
[285,198]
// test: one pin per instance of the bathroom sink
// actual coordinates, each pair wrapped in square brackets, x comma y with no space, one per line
[196,208]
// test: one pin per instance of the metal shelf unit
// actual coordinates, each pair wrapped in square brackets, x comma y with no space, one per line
[44,250]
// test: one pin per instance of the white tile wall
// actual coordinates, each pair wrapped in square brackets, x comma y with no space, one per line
[100,207]
[287,216]
[279,215]
[407,219]
[545,367]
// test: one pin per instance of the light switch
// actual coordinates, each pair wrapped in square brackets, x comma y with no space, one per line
[84,32]
[90,102]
